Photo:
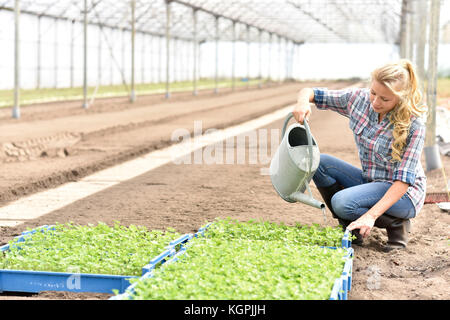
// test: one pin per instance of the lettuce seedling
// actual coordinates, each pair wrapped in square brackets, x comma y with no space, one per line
[264,230]
[100,249]
[243,269]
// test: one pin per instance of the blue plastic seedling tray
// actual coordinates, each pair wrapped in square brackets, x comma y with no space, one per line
[346,241]
[341,286]
[37,281]
[169,256]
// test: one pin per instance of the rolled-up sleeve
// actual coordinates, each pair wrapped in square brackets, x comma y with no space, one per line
[335,100]
[405,170]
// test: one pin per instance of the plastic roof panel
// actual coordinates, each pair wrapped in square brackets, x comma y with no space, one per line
[296,20]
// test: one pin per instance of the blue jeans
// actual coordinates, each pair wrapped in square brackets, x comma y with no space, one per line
[359,195]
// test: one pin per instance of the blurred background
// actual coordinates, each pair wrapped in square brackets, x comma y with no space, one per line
[70,49]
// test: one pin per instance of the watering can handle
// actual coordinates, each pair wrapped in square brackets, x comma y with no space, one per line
[305,124]
[309,137]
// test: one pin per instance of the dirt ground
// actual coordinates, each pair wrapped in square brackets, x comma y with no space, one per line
[60,142]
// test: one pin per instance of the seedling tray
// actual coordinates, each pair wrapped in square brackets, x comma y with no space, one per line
[37,281]
[346,241]
[341,287]
[343,284]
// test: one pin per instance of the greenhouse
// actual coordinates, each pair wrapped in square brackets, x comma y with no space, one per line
[169,150]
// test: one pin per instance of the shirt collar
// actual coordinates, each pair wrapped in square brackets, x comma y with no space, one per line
[373,116]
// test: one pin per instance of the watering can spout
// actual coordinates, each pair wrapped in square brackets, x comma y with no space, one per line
[307,199]
[294,164]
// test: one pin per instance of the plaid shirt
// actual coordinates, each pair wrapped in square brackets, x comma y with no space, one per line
[374,141]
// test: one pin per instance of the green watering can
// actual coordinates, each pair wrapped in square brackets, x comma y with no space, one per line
[294,164]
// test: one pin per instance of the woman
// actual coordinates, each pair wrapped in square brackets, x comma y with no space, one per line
[389,133]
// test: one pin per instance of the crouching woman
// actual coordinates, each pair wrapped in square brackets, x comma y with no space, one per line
[385,118]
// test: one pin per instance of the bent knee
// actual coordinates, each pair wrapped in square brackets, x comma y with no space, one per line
[338,202]
[325,158]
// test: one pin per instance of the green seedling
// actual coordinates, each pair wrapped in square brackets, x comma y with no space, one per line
[264,230]
[100,249]
[243,269]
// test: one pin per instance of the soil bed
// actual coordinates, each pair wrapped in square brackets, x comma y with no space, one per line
[76,142]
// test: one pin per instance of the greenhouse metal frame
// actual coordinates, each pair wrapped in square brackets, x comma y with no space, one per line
[183,26]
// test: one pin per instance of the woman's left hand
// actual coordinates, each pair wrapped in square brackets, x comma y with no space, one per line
[364,224]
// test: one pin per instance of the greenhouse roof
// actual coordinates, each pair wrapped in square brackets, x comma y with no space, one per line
[297,20]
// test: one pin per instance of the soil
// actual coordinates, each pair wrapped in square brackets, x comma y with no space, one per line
[55,143]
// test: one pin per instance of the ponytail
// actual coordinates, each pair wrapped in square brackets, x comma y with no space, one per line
[415,95]
[401,78]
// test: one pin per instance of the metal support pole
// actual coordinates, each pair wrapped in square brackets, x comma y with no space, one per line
[422,38]
[55,59]
[248,56]
[99,70]
[72,45]
[284,57]
[85,45]
[285,54]
[287,59]
[406,29]
[280,60]
[269,64]
[233,62]
[194,16]
[16,108]
[412,28]
[176,50]
[123,66]
[143,56]
[177,54]
[150,67]
[216,74]
[298,56]
[111,62]
[174,59]
[402,32]
[293,53]
[133,51]
[260,60]
[291,60]
[167,49]
[187,64]
[39,52]
[200,59]
[298,60]
[160,70]
[181,55]
[184,60]
[432,156]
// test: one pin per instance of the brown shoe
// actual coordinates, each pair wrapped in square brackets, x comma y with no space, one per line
[397,231]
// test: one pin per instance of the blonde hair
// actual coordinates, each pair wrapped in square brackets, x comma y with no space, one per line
[401,78]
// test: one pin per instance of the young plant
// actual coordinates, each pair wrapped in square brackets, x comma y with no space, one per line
[264,230]
[100,249]
[243,269]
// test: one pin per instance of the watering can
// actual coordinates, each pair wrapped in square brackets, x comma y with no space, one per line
[294,164]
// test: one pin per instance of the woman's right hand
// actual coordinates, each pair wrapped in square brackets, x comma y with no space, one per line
[302,110]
